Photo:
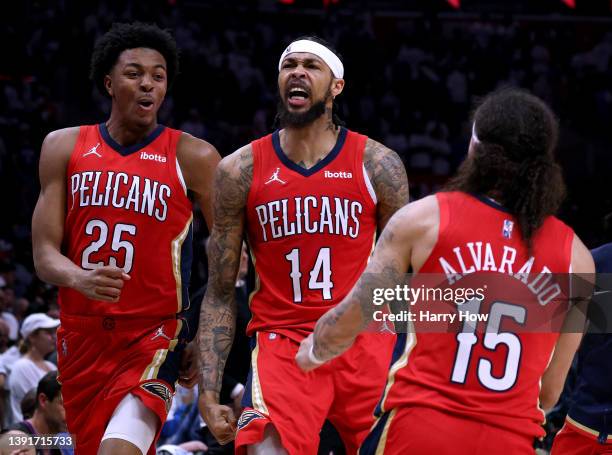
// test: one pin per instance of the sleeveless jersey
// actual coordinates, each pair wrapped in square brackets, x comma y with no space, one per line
[310,231]
[127,206]
[591,401]
[484,374]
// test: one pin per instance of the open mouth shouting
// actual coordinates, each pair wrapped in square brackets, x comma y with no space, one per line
[297,96]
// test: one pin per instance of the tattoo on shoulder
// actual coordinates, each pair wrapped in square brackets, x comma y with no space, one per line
[389,179]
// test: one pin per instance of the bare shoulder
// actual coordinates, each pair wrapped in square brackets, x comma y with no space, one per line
[198,160]
[193,148]
[582,260]
[388,176]
[232,183]
[238,166]
[415,228]
[55,153]
[60,143]
[416,218]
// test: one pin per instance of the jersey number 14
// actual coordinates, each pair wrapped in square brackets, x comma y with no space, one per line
[320,275]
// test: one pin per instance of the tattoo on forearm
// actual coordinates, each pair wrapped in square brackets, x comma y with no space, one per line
[333,336]
[218,313]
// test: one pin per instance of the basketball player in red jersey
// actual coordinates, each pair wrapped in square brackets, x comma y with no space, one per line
[310,199]
[112,228]
[467,394]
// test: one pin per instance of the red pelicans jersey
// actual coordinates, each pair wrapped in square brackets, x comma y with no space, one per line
[128,207]
[492,376]
[310,231]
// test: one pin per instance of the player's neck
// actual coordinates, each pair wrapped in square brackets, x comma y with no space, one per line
[127,134]
[310,144]
[39,423]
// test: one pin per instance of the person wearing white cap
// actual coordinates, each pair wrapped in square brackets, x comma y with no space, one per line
[310,197]
[38,332]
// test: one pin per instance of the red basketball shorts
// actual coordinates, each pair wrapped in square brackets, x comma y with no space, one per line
[427,431]
[573,440]
[345,391]
[101,360]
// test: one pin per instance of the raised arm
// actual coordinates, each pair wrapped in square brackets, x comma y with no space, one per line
[407,240]
[583,276]
[51,265]
[388,176]
[198,160]
[218,314]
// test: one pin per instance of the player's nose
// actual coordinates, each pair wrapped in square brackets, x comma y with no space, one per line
[146,83]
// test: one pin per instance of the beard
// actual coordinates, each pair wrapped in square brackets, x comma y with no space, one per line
[286,118]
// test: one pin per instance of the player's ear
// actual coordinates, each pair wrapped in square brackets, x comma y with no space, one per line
[108,85]
[337,86]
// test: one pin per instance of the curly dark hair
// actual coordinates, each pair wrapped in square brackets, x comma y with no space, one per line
[130,36]
[513,161]
[335,107]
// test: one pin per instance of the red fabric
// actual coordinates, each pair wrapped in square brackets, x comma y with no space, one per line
[283,204]
[97,369]
[483,382]
[454,3]
[143,210]
[424,431]
[345,391]
[571,440]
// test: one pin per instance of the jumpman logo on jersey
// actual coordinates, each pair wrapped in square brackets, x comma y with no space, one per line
[160,334]
[94,151]
[274,177]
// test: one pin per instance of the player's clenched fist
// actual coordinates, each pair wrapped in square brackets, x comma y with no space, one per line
[220,420]
[104,283]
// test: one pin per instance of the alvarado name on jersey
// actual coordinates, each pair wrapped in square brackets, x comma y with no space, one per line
[310,215]
[122,191]
[472,257]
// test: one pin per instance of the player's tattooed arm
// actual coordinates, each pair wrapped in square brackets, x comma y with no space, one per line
[388,176]
[337,329]
[218,313]
[407,241]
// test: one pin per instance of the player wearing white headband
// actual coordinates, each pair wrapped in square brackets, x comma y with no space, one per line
[310,198]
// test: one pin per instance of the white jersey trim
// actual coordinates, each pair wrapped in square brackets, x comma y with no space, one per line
[368,184]
[180,176]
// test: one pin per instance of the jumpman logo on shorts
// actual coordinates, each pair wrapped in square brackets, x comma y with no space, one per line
[94,151]
[160,334]
[274,177]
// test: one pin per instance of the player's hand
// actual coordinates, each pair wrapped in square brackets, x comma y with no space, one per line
[220,420]
[188,370]
[104,283]
[303,357]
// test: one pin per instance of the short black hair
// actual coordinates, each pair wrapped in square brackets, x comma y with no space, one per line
[123,36]
[48,385]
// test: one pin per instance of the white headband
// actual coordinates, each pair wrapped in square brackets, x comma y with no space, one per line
[312,47]
[474,135]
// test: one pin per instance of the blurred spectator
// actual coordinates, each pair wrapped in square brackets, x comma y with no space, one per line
[49,417]
[28,404]
[38,332]
[7,297]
